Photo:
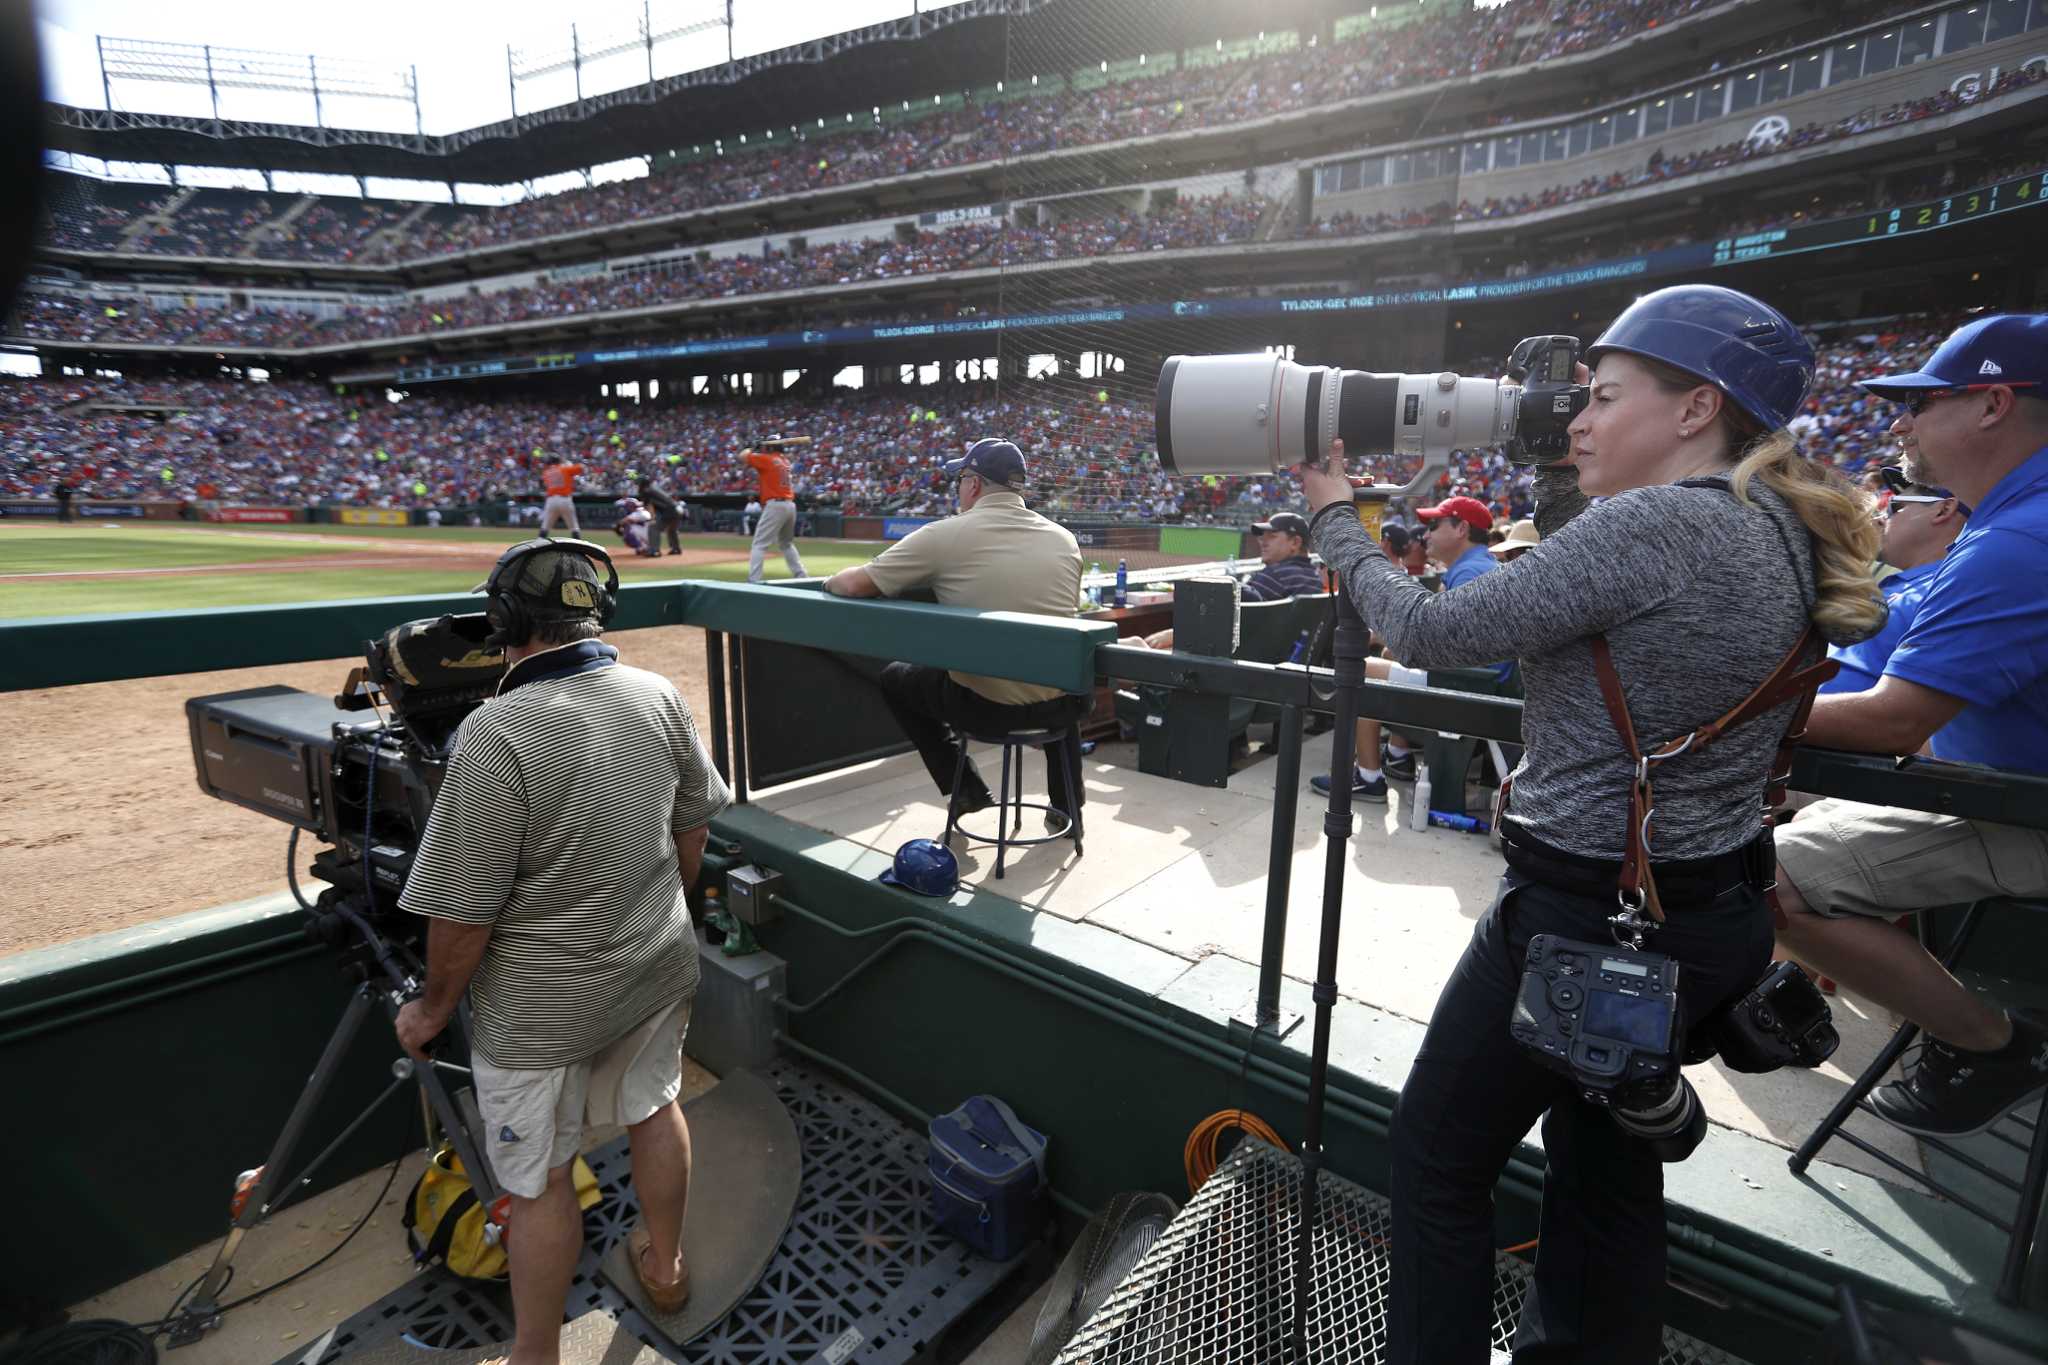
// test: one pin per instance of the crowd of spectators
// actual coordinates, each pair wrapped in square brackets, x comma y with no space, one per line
[873,452]
[1199,222]
[1210,221]
[1451,41]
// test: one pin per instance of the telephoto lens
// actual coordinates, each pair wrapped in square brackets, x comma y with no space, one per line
[1260,414]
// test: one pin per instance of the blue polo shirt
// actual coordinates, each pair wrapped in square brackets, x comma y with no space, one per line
[1863,662]
[1981,634]
[1472,564]
[1468,566]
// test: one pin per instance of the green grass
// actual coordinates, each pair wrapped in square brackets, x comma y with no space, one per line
[92,548]
[89,548]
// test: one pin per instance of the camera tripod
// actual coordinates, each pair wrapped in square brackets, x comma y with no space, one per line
[388,976]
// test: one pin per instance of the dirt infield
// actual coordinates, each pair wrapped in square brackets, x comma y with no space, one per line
[103,825]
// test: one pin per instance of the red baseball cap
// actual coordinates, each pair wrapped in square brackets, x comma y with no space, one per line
[1471,511]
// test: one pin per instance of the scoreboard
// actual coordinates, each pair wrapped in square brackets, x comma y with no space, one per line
[481,369]
[1900,222]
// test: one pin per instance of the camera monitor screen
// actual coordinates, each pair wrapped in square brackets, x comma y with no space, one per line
[1630,1019]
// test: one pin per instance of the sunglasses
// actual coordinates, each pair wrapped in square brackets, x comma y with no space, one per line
[1908,498]
[1917,400]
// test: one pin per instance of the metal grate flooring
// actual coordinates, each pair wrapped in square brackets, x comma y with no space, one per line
[861,1274]
[1218,1285]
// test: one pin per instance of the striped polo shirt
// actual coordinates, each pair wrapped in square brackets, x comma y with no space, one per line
[556,825]
[1295,577]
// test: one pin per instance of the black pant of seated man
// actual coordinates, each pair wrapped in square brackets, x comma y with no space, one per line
[930,706]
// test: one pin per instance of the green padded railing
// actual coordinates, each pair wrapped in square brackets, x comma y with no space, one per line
[63,650]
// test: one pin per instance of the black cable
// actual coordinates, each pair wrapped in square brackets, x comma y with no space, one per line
[93,1341]
[163,1324]
[390,1178]
[291,871]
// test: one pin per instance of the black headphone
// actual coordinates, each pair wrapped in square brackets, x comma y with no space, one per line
[512,619]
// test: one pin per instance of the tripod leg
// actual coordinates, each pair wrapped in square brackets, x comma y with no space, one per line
[204,1309]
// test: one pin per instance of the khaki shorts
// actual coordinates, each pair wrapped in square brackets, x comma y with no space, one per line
[1851,859]
[533,1120]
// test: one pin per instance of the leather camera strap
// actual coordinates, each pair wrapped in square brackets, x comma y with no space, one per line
[1793,677]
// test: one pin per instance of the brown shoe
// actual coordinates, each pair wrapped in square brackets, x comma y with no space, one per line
[666,1298]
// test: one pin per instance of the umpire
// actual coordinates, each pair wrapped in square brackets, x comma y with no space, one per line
[553,869]
[668,517]
[996,555]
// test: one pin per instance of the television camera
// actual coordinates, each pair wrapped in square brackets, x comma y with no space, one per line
[363,785]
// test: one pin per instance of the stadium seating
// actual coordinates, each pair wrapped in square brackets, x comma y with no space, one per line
[1211,221]
[874,453]
[1453,42]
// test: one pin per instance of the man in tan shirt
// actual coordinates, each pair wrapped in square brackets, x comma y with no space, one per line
[996,555]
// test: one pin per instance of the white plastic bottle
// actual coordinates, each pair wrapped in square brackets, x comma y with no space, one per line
[1418,812]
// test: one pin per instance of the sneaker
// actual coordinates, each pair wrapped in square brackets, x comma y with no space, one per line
[1948,1092]
[1373,792]
[1400,767]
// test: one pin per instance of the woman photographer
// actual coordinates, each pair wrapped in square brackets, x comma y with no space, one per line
[1714,548]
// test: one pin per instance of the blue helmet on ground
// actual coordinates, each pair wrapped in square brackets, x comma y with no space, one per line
[1740,345]
[925,866]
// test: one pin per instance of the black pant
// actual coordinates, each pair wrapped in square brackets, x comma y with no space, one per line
[670,523]
[1474,1092]
[929,705]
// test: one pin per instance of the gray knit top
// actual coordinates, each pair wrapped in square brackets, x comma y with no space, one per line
[1700,597]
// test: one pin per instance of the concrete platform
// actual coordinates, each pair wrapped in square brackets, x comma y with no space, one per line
[1184,869]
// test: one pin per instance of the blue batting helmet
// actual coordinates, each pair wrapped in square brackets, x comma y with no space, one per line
[926,867]
[1740,345]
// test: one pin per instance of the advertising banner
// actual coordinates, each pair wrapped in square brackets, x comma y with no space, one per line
[373,516]
[110,509]
[256,514]
[895,528]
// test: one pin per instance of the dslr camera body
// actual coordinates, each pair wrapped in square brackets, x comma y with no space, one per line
[1607,1019]
[1783,1021]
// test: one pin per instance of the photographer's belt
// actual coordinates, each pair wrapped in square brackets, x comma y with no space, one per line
[1688,881]
[1793,679]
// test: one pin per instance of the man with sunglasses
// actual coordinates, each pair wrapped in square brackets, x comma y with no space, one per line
[1969,681]
[1920,523]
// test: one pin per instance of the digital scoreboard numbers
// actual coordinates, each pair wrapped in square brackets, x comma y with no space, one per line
[1948,211]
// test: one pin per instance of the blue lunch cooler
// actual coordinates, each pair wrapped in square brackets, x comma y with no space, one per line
[988,1178]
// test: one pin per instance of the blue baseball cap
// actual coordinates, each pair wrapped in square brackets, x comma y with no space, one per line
[993,458]
[2005,348]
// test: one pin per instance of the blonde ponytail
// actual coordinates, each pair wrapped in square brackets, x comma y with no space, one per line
[1847,604]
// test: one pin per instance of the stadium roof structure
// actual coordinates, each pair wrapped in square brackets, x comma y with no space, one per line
[823,77]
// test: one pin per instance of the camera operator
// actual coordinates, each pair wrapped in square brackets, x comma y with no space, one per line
[1714,547]
[554,867]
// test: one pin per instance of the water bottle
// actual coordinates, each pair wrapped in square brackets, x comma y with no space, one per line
[1418,808]
[1470,824]
[1123,583]
[1094,593]
[1300,650]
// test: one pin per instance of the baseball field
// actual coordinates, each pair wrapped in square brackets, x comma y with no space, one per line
[91,567]
[102,826]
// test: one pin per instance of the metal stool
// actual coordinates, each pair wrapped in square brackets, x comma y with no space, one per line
[2032,1137]
[1011,806]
